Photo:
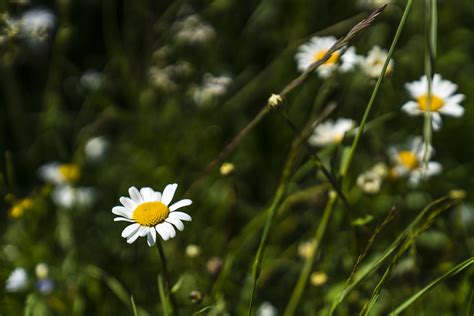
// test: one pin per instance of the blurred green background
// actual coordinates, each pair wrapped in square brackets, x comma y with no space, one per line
[132,72]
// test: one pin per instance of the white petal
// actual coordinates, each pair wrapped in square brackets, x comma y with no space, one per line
[163,231]
[135,195]
[411,107]
[122,211]
[170,228]
[168,193]
[452,109]
[133,237]
[128,203]
[151,237]
[457,98]
[436,120]
[157,196]
[123,219]
[434,168]
[176,222]
[180,215]
[143,230]
[147,194]
[130,229]
[179,204]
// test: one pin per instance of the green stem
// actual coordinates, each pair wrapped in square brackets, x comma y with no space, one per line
[430,58]
[355,143]
[271,213]
[309,261]
[165,273]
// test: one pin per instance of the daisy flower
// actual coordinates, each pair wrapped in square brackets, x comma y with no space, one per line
[17,281]
[151,213]
[443,99]
[330,132]
[59,173]
[316,48]
[372,65]
[409,162]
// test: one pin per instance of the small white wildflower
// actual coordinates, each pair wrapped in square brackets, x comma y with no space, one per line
[96,147]
[17,281]
[212,87]
[36,25]
[372,65]
[316,48]
[330,132]
[369,182]
[59,173]
[150,213]
[409,162]
[162,78]
[67,196]
[41,270]
[267,309]
[443,99]
[91,79]
[193,30]
[192,251]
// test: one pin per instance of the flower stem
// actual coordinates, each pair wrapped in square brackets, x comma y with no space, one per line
[164,272]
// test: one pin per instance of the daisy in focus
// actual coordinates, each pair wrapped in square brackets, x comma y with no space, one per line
[372,65]
[409,162]
[331,132]
[316,48]
[151,213]
[443,99]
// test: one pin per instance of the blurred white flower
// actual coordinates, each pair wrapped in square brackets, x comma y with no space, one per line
[370,182]
[59,173]
[67,196]
[372,64]
[316,48]
[95,148]
[211,88]
[306,249]
[41,270]
[91,79]
[266,309]
[150,212]
[409,161]
[37,25]
[17,281]
[192,251]
[162,78]
[193,30]
[330,132]
[443,99]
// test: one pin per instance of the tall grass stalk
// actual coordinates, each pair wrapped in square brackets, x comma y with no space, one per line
[410,239]
[451,272]
[430,59]
[167,280]
[355,143]
[309,261]
[358,278]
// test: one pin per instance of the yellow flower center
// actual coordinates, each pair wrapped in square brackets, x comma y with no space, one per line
[70,172]
[332,60]
[436,103]
[408,159]
[150,213]
[338,138]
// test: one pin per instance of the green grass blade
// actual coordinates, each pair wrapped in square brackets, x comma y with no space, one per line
[455,270]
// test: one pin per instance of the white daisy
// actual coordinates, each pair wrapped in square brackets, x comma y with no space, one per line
[150,212]
[95,148]
[59,173]
[17,281]
[316,48]
[443,99]
[330,132]
[372,64]
[67,196]
[212,87]
[36,25]
[409,162]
